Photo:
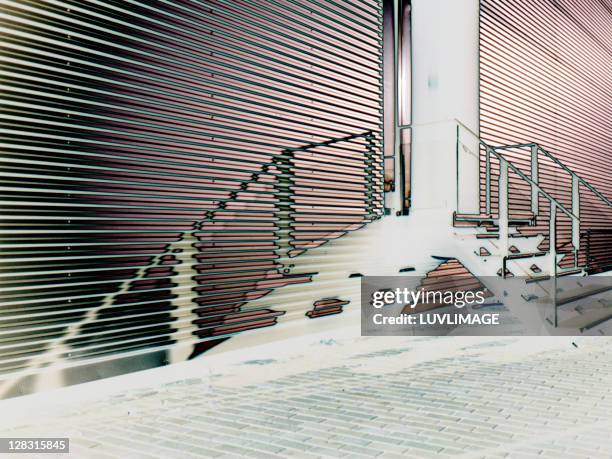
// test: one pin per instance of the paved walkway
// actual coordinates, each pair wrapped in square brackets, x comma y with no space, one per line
[357,397]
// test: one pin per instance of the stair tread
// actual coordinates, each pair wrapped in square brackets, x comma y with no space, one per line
[584,292]
[515,256]
[488,235]
[547,276]
[491,221]
[577,294]
[587,320]
[543,277]
[515,216]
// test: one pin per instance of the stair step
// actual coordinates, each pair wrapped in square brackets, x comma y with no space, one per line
[483,220]
[472,217]
[524,235]
[544,277]
[582,293]
[517,256]
[496,235]
[541,278]
[472,224]
[487,236]
[576,294]
[588,319]
[569,272]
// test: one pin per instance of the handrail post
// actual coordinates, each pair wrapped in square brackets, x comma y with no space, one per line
[553,254]
[504,218]
[588,249]
[457,169]
[535,178]
[487,181]
[576,221]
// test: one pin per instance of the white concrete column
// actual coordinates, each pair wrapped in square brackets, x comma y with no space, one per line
[445,86]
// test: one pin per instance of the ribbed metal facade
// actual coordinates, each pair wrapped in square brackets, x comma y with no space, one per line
[164,161]
[545,77]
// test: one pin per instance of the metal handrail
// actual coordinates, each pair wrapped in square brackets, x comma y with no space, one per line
[491,150]
[561,165]
[536,191]
[580,179]
[503,208]
[519,173]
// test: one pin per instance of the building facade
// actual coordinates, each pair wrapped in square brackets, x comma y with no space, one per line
[187,177]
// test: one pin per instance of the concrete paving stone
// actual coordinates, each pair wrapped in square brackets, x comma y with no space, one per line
[425,426]
[350,440]
[584,451]
[316,431]
[356,456]
[475,438]
[494,434]
[83,442]
[303,455]
[306,418]
[443,442]
[445,418]
[415,453]
[388,455]
[256,437]
[238,450]
[452,452]
[115,450]
[300,446]
[422,446]
[388,439]
[551,454]
[370,452]
[323,452]
[314,442]
[264,446]
[387,447]
[384,421]
[200,451]
[89,454]
[366,416]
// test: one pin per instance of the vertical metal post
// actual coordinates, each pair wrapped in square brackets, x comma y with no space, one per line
[535,178]
[553,254]
[588,249]
[576,221]
[503,220]
[397,149]
[457,170]
[487,181]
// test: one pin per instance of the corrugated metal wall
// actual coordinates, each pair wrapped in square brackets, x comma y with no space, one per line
[164,161]
[545,69]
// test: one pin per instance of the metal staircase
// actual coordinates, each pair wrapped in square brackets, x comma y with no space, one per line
[518,230]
